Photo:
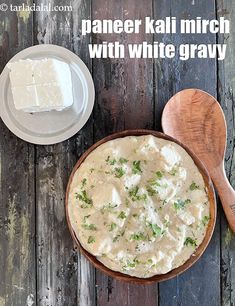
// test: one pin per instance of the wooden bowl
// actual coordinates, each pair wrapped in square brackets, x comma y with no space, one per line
[198,252]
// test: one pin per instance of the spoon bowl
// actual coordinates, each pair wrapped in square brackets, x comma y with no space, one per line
[196,119]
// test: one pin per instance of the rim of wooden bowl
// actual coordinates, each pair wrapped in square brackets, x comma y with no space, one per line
[198,252]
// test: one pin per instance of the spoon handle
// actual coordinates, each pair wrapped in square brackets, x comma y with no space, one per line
[226,194]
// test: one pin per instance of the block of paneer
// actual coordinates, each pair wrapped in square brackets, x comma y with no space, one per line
[41,85]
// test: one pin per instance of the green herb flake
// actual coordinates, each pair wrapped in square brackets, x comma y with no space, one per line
[138,237]
[90,227]
[205,220]
[85,218]
[84,198]
[116,238]
[151,191]
[159,174]
[122,215]
[112,226]
[84,181]
[133,193]
[154,182]
[110,161]
[136,167]
[166,222]
[193,186]
[190,242]
[155,229]
[119,172]
[178,229]
[108,207]
[123,160]
[131,264]
[173,171]
[127,202]
[91,239]
[180,204]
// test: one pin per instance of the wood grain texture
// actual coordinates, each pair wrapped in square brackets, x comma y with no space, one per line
[226,93]
[201,284]
[17,209]
[123,100]
[64,276]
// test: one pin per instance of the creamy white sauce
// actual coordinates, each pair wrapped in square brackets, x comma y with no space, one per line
[139,204]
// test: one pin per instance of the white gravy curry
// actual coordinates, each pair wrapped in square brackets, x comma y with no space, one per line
[139,204]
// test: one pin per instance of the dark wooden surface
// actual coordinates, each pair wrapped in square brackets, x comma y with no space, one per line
[38,261]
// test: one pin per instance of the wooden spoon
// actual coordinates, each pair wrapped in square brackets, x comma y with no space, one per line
[195,118]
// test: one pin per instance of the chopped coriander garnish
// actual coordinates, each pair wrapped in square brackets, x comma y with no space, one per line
[131,264]
[151,191]
[173,171]
[154,182]
[92,169]
[115,239]
[91,239]
[180,204]
[112,226]
[156,229]
[119,172]
[135,215]
[193,186]
[190,242]
[122,160]
[108,207]
[133,193]
[159,174]
[127,202]
[166,222]
[84,198]
[86,217]
[205,220]
[110,161]
[136,167]
[137,237]
[84,181]
[122,215]
[90,227]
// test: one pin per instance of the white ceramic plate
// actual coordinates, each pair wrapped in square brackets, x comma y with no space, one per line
[49,127]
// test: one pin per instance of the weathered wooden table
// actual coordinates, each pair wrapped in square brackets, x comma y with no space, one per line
[39,264]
